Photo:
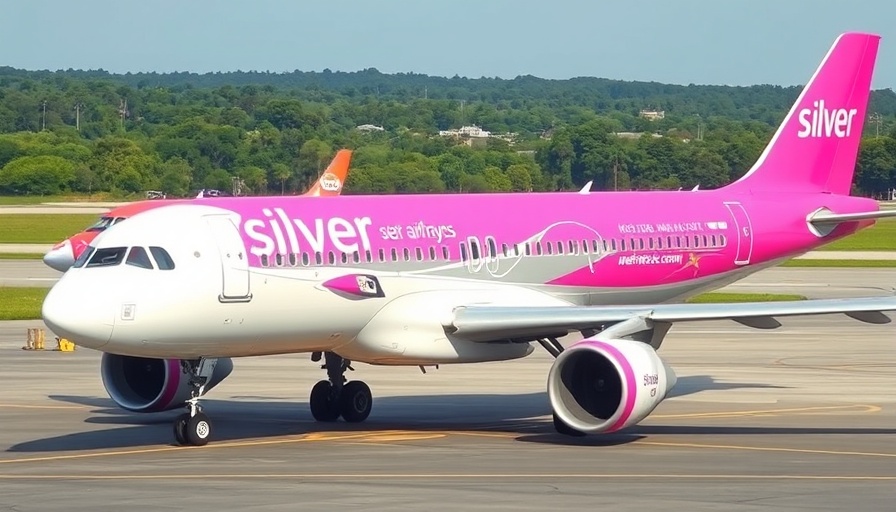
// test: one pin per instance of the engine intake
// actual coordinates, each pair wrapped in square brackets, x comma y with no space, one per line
[141,384]
[603,386]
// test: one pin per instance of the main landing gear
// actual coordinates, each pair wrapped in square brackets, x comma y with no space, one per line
[335,397]
[193,427]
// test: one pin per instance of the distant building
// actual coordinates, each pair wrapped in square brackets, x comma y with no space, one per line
[634,135]
[466,131]
[652,115]
[370,128]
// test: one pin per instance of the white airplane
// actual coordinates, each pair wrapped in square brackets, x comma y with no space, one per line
[179,290]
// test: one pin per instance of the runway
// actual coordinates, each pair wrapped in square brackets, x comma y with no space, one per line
[797,418]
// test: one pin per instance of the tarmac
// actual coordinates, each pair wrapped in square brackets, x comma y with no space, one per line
[797,418]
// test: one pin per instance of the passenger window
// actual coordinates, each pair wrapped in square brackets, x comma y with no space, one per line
[382,255]
[278,259]
[463,251]
[474,248]
[305,259]
[559,247]
[368,256]
[492,247]
[264,260]
[394,254]
[343,257]
[82,259]
[331,257]
[445,253]
[407,254]
[293,259]
[504,250]
[356,257]
[419,253]
[137,257]
[432,252]
[318,258]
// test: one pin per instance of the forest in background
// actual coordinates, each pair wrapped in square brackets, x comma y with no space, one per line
[92,131]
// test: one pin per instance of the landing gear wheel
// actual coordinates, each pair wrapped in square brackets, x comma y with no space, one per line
[324,403]
[565,429]
[180,425]
[355,401]
[197,429]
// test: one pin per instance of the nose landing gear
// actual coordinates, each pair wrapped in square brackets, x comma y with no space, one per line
[194,427]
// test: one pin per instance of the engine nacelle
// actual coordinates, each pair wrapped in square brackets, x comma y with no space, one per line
[140,384]
[603,386]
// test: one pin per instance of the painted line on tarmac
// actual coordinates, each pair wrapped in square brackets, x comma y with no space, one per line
[450,476]
[810,451]
[858,408]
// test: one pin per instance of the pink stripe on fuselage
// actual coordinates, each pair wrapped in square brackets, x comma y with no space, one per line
[754,229]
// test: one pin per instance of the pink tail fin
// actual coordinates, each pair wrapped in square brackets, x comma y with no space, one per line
[816,146]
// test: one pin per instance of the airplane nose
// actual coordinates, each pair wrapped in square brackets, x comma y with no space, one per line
[84,319]
[61,257]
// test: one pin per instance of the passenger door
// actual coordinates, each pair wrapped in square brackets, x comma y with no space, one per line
[234,261]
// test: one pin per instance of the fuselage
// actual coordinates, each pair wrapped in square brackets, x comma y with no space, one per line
[253,276]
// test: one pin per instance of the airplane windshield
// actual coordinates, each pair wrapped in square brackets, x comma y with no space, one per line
[85,255]
[102,224]
[105,223]
[107,257]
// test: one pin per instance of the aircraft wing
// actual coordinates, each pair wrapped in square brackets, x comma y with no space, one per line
[501,323]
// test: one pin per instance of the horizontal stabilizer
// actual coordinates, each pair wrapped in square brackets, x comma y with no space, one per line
[493,323]
[827,217]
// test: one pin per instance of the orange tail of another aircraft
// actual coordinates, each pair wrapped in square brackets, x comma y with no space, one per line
[333,178]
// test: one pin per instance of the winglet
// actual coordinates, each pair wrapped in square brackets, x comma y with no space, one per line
[587,188]
[333,178]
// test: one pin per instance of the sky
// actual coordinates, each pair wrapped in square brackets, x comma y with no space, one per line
[723,42]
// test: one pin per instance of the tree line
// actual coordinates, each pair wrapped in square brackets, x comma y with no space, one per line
[90,131]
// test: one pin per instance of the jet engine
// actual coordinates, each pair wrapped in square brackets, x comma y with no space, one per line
[606,385]
[140,384]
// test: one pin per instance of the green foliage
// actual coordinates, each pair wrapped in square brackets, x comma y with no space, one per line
[37,175]
[277,131]
[722,297]
[21,303]
[879,237]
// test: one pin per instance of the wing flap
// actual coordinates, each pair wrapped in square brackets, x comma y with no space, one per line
[499,323]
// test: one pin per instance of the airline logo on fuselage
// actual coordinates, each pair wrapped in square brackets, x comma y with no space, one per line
[818,122]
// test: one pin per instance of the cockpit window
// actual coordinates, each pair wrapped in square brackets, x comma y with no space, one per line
[85,255]
[163,259]
[102,224]
[138,258]
[107,257]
